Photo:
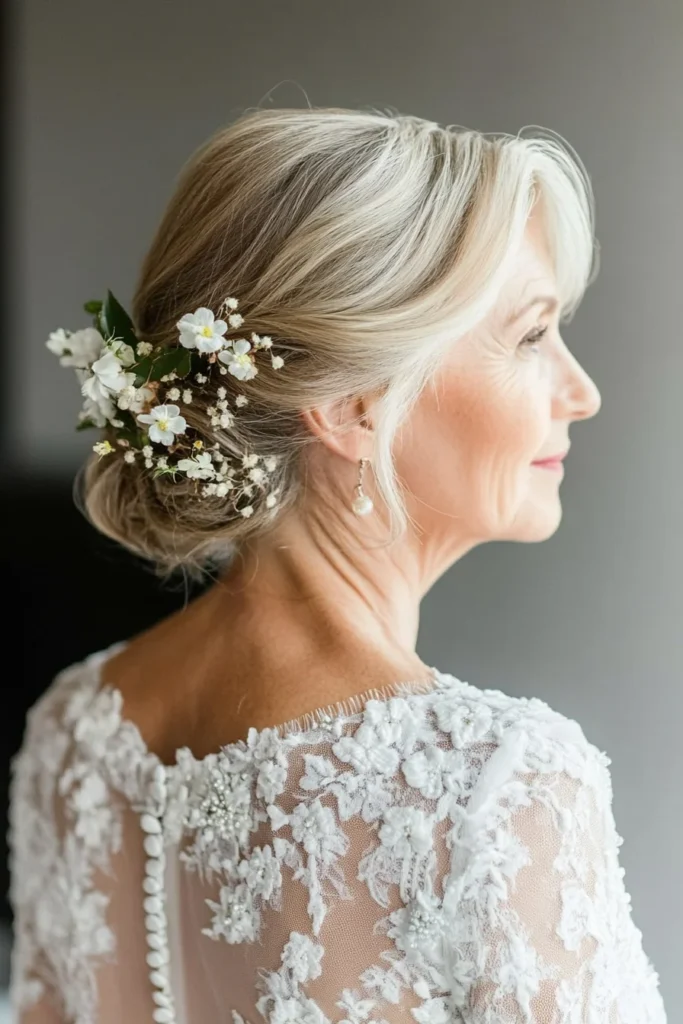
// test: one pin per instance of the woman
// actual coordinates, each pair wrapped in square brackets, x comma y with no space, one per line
[344,370]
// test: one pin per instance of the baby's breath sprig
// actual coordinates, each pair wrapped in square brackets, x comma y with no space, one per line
[138,391]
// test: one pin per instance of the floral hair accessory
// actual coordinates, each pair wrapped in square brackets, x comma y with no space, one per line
[129,387]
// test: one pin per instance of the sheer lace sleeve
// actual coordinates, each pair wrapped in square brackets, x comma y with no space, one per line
[540,922]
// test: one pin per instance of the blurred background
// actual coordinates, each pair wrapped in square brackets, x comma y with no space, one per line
[104,101]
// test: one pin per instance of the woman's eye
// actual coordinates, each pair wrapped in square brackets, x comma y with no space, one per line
[535,337]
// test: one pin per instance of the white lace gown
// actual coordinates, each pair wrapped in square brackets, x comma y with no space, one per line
[431,852]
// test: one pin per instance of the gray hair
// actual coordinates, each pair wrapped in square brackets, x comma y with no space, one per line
[364,242]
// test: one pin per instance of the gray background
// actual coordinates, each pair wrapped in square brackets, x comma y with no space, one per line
[111,98]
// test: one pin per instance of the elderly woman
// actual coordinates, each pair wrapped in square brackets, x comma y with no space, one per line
[342,371]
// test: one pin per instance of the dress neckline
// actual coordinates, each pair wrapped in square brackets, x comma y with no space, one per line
[293,730]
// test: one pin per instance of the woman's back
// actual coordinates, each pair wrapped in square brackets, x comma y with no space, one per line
[435,848]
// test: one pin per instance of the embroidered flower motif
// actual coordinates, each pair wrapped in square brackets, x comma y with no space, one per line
[406,830]
[261,872]
[315,827]
[466,721]
[434,771]
[202,331]
[302,957]
[164,423]
[235,918]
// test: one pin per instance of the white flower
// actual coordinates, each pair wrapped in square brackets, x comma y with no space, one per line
[164,423]
[134,398]
[200,378]
[103,448]
[271,500]
[124,353]
[302,957]
[107,373]
[148,451]
[129,456]
[100,411]
[241,400]
[238,361]
[187,396]
[249,460]
[247,511]
[201,331]
[261,871]
[79,349]
[144,349]
[222,489]
[162,462]
[199,468]
[270,462]
[222,393]
[262,341]
[223,370]
[173,394]
[257,475]
[231,303]
[277,362]
[434,771]
[235,320]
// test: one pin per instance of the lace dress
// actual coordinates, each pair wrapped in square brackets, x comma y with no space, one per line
[430,852]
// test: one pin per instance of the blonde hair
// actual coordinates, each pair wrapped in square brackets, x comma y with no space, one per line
[364,242]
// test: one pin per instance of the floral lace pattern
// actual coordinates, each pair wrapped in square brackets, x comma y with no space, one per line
[470,833]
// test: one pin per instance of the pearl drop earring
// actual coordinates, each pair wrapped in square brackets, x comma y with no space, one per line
[362,505]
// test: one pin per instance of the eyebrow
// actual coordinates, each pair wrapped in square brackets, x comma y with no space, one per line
[550,302]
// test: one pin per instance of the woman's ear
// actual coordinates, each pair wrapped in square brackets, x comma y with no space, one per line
[345,425]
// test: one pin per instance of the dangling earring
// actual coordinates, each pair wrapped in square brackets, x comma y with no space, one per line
[362,504]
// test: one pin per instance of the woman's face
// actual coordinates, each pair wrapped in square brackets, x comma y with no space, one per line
[501,401]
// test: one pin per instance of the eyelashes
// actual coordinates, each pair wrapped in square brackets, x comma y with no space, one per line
[534,337]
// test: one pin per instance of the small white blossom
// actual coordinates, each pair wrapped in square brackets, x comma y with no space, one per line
[164,423]
[134,398]
[271,500]
[241,400]
[162,462]
[235,320]
[277,362]
[247,511]
[302,957]
[173,394]
[270,462]
[222,489]
[223,370]
[231,303]
[249,460]
[222,393]
[238,361]
[198,468]
[103,448]
[226,419]
[144,349]
[149,463]
[200,378]
[129,456]
[148,451]
[257,475]
[79,349]
[262,341]
[187,396]
[201,331]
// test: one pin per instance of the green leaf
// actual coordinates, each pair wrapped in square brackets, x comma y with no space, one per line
[178,360]
[115,321]
[94,307]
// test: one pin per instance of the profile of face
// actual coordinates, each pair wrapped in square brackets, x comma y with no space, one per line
[503,398]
